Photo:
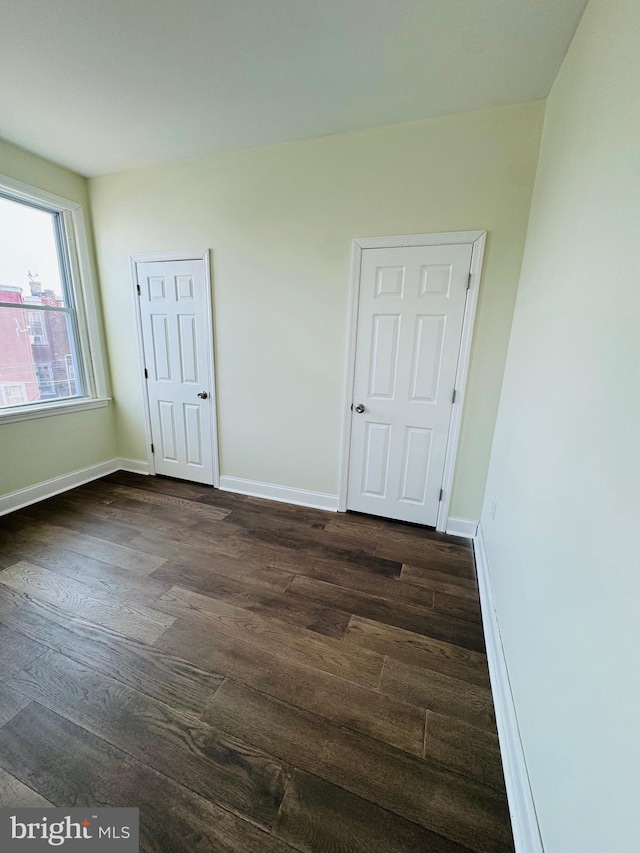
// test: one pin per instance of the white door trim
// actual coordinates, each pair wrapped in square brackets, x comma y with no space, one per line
[154,257]
[478,240]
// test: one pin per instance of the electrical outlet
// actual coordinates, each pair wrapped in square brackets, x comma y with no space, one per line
[494,507]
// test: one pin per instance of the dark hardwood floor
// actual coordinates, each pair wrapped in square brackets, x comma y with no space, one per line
[253,676]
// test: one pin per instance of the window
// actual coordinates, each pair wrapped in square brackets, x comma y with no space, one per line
[49,351]
[12,395]
[37,327]
[46,385]
[71,377]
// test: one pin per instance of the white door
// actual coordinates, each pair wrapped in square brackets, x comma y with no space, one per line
[175,318]
[410,315]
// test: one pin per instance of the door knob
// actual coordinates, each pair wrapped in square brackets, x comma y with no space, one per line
[359,408]
[203,395]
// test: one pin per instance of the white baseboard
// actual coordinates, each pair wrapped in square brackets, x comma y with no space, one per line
[49,488]
[135,466]
[526,831]
[57,485]
[462,527]
[284,494]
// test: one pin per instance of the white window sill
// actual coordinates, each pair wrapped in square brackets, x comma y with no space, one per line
[27,413]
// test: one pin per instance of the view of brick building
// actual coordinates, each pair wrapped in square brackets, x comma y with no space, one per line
[35,353]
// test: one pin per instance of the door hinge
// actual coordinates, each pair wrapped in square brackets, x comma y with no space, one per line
[146,375]
[138,289]
[441,495]
[469,280]
[153,450]
[453,396]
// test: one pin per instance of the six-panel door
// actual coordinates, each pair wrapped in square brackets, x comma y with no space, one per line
[178,358]
[410,315]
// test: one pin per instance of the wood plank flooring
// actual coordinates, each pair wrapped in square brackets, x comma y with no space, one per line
[253,676]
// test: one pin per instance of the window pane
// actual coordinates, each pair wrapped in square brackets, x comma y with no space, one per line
[29,252]
[35,367]
[38,353]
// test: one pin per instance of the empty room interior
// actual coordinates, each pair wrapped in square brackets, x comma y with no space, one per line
[319,410]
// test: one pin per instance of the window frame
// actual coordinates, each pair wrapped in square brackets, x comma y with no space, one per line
[77,269]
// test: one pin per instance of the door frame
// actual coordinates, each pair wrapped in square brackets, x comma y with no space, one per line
[477,240]
[155,257]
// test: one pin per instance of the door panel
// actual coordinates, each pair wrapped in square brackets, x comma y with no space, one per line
[410,315]
[376,461]
[179,361]
[188,339]
[415,465]
[193,434]
[384,355]
[160,341]
[427,357]
[167,435]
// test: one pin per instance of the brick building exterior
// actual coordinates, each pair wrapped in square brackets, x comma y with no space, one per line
[36,362]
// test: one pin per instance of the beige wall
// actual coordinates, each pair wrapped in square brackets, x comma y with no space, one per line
[280,221]
[565,469]
[37,450]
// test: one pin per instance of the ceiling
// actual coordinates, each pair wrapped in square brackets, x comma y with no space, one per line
[105,85]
